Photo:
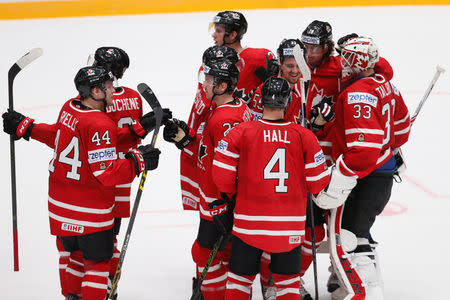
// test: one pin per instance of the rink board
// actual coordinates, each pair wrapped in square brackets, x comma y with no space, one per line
[30,9]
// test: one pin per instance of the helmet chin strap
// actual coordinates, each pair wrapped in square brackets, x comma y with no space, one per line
[103,89]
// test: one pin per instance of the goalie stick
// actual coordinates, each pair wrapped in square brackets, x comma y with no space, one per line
[150,97]
[439,70]
[304,83]
[18,66]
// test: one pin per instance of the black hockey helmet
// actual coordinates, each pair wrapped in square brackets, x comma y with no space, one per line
[317,33]
[223,70]
[90,77]
[275,93]
[232,21]
[215,53]
[286,48]
[112,59]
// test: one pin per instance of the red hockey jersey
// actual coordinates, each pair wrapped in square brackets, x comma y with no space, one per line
[373,119]
[84,171]
[270,166]
[126,109]
[190,195]
[252,59]
[327,80]
[292,110]
[220,121]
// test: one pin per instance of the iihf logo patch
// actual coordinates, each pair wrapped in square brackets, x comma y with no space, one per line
[222,146]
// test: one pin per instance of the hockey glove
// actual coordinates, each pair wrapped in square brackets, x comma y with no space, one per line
[321,113]
[337,191]
[178,132]
[148,122]
[222,213]
[272,68]
[17,125]
[343,40]
[144,158]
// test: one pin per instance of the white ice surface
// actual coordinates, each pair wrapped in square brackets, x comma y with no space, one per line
[165,53]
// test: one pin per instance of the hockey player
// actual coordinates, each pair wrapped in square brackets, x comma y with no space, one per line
[269,165]
[226,112]
[228,28]
[125,110]
[289,71]
[83,173]
[328,79]
[197,117]
[373,121]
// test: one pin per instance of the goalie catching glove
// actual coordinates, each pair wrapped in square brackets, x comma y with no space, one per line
[337,191]
[17,125]
[144,158]
[222,211]
[148,122]
[178,132]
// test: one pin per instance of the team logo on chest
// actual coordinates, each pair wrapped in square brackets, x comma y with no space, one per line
[201,151]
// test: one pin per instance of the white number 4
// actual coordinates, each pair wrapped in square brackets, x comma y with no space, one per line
[278,157]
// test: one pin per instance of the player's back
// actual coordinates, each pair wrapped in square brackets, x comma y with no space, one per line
[366,123]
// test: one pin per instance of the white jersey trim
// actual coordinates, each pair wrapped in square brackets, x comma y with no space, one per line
[325,144]
[188,180]
[273,123]
[94,285]
[127,185]
[270,218]
[402,120]
[122,199]
[81,223]
[384,156]
[365,144]
[227,153]
[406,130]
[364,130]
[80,208]
[320,176]
[188,151]
[268,232]
[224,166]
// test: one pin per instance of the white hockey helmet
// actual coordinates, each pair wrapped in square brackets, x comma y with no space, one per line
[359,54]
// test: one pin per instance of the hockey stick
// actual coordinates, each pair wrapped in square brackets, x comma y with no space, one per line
[12,73]
[150,97]
[304,83]
[214,250]
[439,70]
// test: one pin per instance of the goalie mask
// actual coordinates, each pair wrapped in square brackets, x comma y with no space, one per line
[275,93]
[359,54]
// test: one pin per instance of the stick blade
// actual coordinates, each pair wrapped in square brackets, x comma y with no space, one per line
[29,57]
[440,69]
[300,59]
[148,95]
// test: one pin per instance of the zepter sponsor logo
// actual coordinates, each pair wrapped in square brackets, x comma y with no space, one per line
[364,98]
[104,154]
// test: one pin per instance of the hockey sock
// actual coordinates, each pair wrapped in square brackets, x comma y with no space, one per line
[288,286]
[63,262]
[95,280]
[239,286]
[213,286]
[264,272]
[74,273]
[115,259]
[307,247]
